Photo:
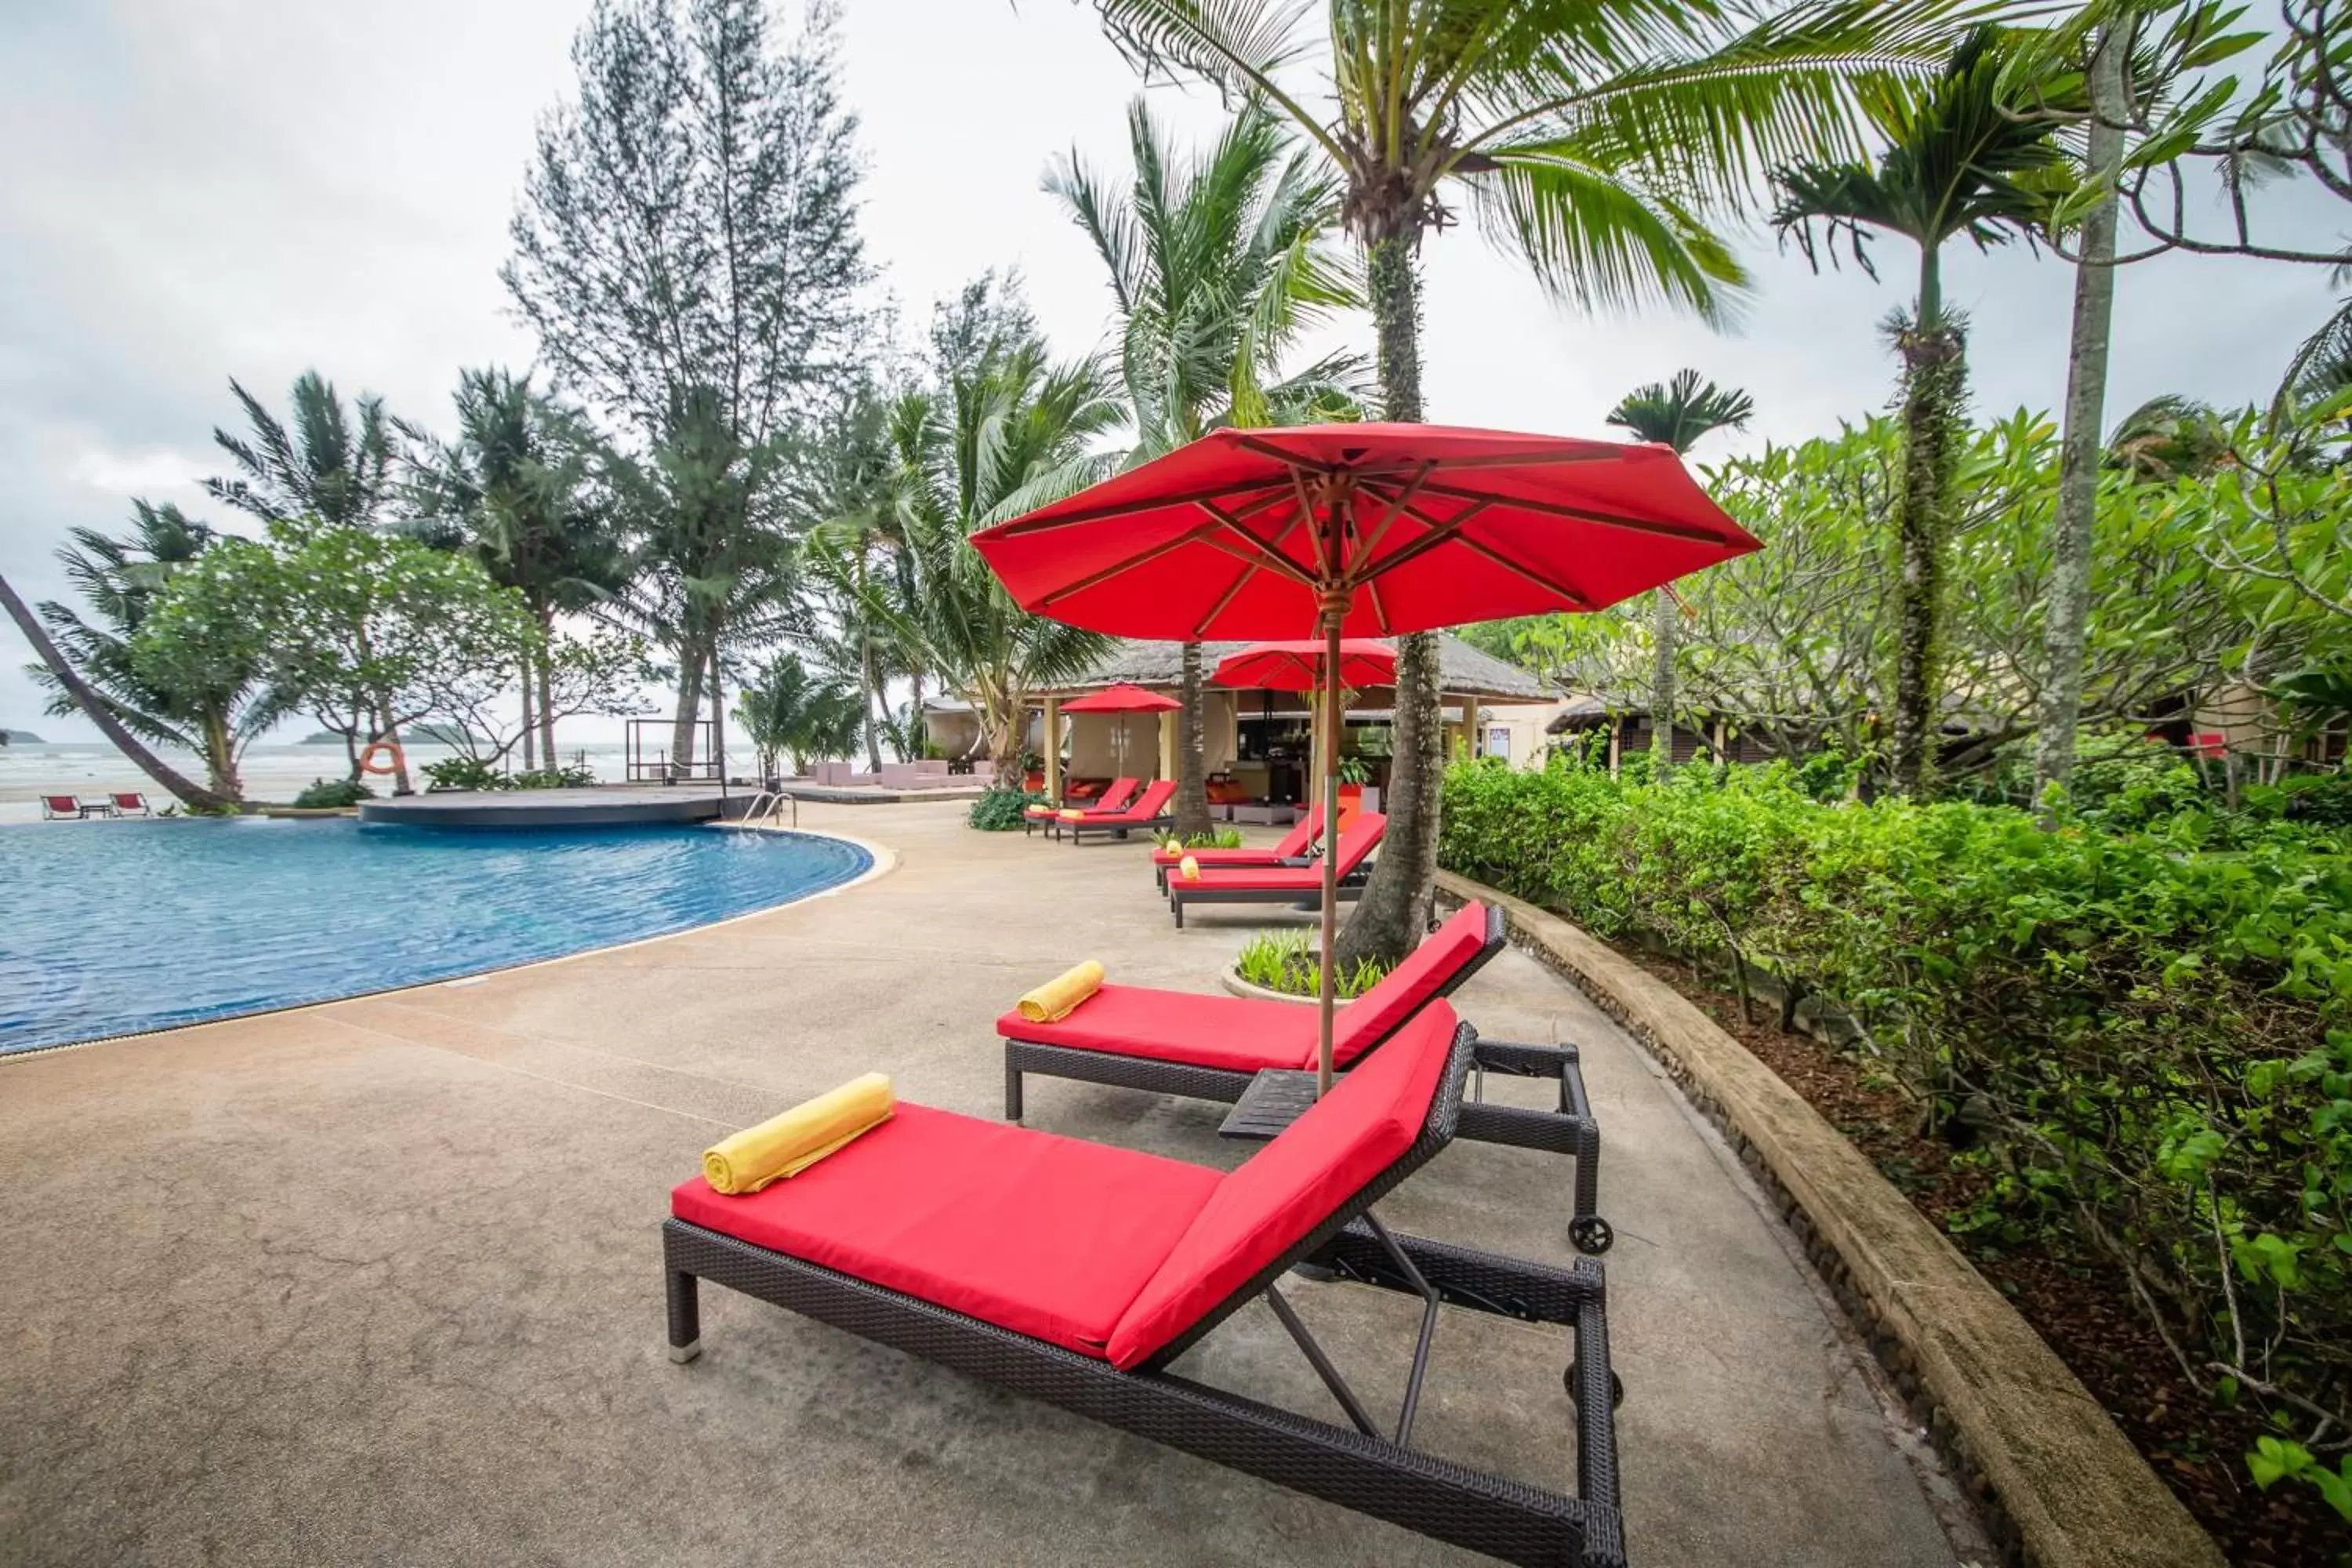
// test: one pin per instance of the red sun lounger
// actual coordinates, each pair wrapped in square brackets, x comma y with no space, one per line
[1076,1273]
[54,807]
[1115,798]
[1150,812]
[1282,884]
[130,802]
[1291,850]
[1213,1047]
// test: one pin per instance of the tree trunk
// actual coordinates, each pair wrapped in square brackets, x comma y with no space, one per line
[94,706]
[1934,381]
[529,723]
[717,717]
[690,700]
[1193,750]
[1394,911]
[546,712]
[220,758]
[1663,631]
[866,679]
[2078,470]
[917,730]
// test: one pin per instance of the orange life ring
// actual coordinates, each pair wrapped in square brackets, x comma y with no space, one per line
[368,764]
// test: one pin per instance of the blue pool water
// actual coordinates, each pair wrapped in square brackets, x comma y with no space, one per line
[111,927]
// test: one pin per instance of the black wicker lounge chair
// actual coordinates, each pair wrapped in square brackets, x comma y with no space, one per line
[1301,885]
[1149,811]
[1213,1047]
[1076,1273]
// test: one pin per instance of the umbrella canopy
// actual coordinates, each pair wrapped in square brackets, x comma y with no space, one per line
[1298,666]
[1120,698]
[1402,528]
[1359,531]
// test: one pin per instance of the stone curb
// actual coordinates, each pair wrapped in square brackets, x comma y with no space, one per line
[2063,1488]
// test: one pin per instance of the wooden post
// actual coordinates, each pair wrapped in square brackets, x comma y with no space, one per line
[1053,750]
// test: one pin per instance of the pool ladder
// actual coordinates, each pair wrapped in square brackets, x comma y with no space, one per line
[769,805]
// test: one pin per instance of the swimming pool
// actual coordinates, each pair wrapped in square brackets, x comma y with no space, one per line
[110,928]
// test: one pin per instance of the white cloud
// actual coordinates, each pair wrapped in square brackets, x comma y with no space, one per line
[204,189]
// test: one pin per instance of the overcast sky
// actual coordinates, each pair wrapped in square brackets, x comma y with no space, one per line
[197,189]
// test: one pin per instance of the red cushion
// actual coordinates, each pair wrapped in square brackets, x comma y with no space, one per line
[1292,843]
[1263,879]
[1241,1033]
[1411,985]
[1226,792]
[1155,801]
[1288,1188]
[1045,1236]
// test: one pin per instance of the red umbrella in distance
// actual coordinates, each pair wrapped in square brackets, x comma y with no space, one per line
[1362,530]
[1298,666]
[1122,699]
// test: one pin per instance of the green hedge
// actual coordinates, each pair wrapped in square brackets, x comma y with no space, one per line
[2158,1034]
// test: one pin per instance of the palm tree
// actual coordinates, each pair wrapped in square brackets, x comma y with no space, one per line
[1971,154]
[101,712]
[1216,264]
[2169,437]
[791,709]
[1676,413]
[335,464]
[1005,431]
[517,488]
[215,712]
[1590,141]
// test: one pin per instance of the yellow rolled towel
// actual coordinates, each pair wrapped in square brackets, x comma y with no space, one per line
[1071,813]
[1052,1001]
[788,1144]
[1191,867]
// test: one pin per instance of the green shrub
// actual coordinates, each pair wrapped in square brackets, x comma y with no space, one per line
[2158,1032]
[320,794]
[999,810]
[463,772]
[550,778]
[1215,839]
[1286,961]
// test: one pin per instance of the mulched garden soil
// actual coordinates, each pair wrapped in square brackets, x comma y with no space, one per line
[2080,1303]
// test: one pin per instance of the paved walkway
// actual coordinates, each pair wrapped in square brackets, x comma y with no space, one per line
[379,1281]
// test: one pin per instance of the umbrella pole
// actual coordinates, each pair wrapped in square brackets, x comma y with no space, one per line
[1328,991]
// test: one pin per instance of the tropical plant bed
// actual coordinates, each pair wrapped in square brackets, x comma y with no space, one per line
[2081,1305]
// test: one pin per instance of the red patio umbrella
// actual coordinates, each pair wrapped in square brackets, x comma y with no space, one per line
[1364,530]
[1122,699]
[1298,666]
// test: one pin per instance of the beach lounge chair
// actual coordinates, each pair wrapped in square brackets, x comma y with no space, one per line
[130,802]
[1213,1047]
[1076,1273]
[1281,884]
[54,807]
[1291,850]
[1149,812]
[1113,798]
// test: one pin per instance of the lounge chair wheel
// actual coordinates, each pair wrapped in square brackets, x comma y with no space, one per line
[1616,1387]
[1591,1234]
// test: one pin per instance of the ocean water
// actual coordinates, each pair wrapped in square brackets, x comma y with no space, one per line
[29,770]
[117,927]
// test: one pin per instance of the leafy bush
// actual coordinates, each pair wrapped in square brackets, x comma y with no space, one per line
[1286,961]
[1215,839]
[2158,1035]
[999,810]
[473,772]
[320,794]
[463,772]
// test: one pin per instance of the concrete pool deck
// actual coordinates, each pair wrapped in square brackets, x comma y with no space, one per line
[379,1281]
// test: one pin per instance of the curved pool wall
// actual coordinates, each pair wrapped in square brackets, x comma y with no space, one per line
[116,928]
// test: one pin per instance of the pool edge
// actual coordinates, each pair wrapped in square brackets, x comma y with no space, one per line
[882,860]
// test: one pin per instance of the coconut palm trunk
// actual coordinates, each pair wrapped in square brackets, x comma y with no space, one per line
[1395,908]
[2078,470]
[94,706]
[689,703]
[1192,750]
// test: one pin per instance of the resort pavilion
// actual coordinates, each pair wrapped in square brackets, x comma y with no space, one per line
[1256,740]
